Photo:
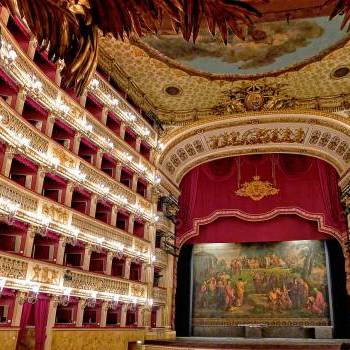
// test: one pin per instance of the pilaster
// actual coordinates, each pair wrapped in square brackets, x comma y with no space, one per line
[60,250]
[76,143]
[10,152]
[124,310]
[127,268]
[20,99]
[40,180]
[50,322]
[87,257]
[28,246]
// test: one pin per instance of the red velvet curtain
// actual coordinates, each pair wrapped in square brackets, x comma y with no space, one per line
[41,315]
[306,185]
[41,311]
[27,307]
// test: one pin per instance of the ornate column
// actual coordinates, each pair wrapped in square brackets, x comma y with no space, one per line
[50,321]
[122,130]
[345,199]
[69,194]
[127,268]
[17,311]
[87,256]
[124,310]
[146,318]
[118,170]
[76,143]
[60,250]
[159,320]
[104,311]
[82,99]
[149,191]
[80,312]
[151,155]
[138,144]
[139,316]
[114,214]
[33,43]
[143,272]
[49,124]
[109,261]
[99,156]
[28,246]
[93,202]
[104,115]
[10,152]
[135,178]
[40,180]
[20,99]
[131,223]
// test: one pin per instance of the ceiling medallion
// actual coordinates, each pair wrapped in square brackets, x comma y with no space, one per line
[173,90]
[257,189]
[340,72]
[255,98]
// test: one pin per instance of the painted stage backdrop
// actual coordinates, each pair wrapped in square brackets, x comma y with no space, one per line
[260,283]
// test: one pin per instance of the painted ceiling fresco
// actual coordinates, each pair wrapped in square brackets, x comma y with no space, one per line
[268,47]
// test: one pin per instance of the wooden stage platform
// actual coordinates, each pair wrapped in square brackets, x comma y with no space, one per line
[247,344]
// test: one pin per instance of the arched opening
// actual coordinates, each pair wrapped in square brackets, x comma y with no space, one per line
[261,249]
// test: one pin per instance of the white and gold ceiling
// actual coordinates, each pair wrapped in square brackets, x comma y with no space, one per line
[307,59]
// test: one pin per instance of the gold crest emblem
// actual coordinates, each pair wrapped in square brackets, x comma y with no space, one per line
[257,189]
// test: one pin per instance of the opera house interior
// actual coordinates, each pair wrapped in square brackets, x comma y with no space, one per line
[174,174]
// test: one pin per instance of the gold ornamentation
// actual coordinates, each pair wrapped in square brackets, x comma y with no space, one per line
[65,160]
[13,268]
[257,136]
[255,98]
[44,275]
[257,189]
[56,214]
[138,291]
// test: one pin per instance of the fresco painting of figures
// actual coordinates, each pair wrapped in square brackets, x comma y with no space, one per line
[271,283]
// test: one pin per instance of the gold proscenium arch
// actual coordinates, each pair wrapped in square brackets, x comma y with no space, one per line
[322,135]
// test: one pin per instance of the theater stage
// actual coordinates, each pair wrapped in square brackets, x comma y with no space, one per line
[248,344]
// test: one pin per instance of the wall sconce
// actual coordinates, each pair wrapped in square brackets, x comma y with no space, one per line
[149,304]
[32,296]
[129,116]
[113,304]
[34,85]
[10,208]
[64,299]
[91,302]
[61,107]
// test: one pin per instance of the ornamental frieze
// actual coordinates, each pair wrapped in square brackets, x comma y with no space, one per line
[45,274]
[13,268]
[17,195]
[100,230]
[333,143]
[64,158]
[98,284]
[55,213]
[138,290]
[257,136]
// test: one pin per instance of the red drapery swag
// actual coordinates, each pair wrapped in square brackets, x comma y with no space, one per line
[306,184]
[41,311]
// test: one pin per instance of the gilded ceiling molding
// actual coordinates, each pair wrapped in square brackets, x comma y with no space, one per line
[319,218]
[317,134]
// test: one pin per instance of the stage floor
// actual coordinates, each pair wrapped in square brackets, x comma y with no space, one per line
[246,343]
